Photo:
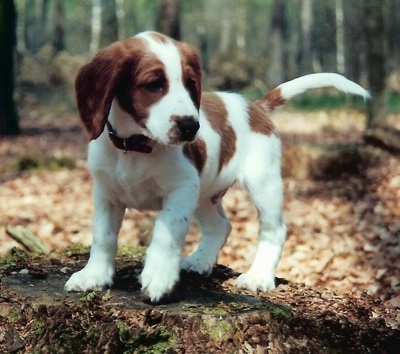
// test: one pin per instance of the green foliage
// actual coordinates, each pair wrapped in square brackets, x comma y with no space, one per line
[394,101]
[16,257]
[45,163]
[310,101]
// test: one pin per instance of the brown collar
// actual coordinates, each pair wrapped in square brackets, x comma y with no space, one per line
[136,142]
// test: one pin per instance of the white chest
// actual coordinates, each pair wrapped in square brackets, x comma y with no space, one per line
[139,181]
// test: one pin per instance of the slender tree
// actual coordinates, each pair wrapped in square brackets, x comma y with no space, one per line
[374,28]
[120,13]
[8,114]
[59,25]
[306,40]
[354,39]
[276,71]
[95,26]
[168,20]
[378,129]
[109,25]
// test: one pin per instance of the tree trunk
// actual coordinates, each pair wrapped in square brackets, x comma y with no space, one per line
[354,39]
[8,114]
[59,25]
[168,20]
[120,13]
[109,26]
[21,10]
[276,72]
[306,25]
[96,27]
[226,28]
[340,57]
[202,315]
[36,20]
[376,61]
[241,27]
[393,26]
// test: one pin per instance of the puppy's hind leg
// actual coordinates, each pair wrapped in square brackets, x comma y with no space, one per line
[216,229]
[265,188]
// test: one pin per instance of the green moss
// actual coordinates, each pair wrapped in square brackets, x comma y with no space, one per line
[38,328]
[215,310]
[75,249]
[217,328]
[15,315]
[155,342]
[16,257]
[131,252]
[89,297]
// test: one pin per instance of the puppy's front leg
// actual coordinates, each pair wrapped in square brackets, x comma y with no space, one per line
[163,257]
[99,271]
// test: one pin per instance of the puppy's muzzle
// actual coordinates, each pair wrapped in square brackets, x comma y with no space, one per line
[188,128]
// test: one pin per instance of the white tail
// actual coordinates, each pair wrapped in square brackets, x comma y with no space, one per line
[287,90]
[303,83]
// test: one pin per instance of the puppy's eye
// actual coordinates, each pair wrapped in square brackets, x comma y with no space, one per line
[156,85]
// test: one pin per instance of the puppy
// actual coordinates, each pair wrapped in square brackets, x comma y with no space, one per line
[159,143]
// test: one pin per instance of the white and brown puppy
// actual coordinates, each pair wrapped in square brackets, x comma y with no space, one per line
[159,143]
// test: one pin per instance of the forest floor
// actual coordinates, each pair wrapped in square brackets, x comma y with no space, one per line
[339,276]
[342,213]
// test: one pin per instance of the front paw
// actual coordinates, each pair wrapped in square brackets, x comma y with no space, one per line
[256,281]
[159,278]
[198,263]
[90,278]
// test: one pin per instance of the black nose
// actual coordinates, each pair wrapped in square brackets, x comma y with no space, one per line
[188,128]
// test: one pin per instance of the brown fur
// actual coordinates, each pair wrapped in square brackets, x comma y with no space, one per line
[274,99]
[214,108]
[259,120]
[197,153]
[125,71]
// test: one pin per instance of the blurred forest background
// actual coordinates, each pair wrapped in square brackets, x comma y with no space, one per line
[342,200]
[250,45]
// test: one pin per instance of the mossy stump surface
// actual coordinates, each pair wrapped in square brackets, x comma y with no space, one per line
[203,315]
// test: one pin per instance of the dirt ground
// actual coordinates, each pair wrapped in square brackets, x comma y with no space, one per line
[342,213]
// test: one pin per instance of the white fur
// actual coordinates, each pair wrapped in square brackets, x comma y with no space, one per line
[166,180]
[301,84]
[178,101]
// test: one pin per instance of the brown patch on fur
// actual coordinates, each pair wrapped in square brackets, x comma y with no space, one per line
[274,99]
[197,153]
[191,71]
[160,37]
[216,198]
[121,70]
[134,92]
[125,70]
[96,82]
[214,108]
[259,120]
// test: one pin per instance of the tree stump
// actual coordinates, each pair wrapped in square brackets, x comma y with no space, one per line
[202,315]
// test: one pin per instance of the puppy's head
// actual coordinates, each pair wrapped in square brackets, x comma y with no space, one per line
[155,79]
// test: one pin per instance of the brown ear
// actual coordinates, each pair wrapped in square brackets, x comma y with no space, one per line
[194,79]
[96,83]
